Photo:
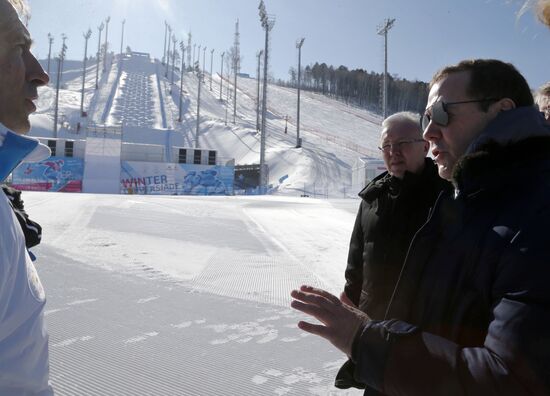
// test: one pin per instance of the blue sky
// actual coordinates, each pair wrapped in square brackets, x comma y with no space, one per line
[427,34]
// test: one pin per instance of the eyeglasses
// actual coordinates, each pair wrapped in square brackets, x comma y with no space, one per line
[398,146]
[439,114]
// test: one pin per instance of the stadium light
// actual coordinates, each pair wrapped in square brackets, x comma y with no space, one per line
[383,31]
[211,62]
[100,29]
[267,24]
[87,36]
[199,74]
[165,34]
[174,40]
[258,74]
[299,44]
[106,43]
[60,60]
[221,77]
[50,40]
[182,48]
[122,38]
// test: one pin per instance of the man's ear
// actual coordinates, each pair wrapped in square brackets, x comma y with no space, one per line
[505,104]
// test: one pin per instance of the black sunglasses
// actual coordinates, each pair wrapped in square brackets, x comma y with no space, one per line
[439,113]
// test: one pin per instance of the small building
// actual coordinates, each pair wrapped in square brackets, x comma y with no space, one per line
[364,170]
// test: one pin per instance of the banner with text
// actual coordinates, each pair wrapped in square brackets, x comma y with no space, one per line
[153,178]
[54,174]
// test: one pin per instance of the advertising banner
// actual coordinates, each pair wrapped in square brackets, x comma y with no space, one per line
[54,174]
[175,179]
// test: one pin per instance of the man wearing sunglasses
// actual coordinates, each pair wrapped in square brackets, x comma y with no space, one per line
[471,311]
[393,207]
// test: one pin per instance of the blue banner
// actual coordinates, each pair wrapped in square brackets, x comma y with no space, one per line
[54,174]
[175,179]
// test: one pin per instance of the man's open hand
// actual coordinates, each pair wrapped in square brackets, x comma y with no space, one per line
[341,322]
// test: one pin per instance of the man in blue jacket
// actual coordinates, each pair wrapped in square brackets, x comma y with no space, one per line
[470,314]
[24,367]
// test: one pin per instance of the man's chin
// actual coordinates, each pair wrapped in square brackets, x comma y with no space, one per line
[21,128]
[445,172]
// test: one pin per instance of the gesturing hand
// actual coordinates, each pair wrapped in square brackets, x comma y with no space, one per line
[340,321]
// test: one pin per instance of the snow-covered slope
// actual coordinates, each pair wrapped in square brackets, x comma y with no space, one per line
[138,94]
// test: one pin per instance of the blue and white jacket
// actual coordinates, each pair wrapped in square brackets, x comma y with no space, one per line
[24,361]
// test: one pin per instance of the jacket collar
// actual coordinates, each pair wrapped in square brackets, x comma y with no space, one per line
[386,182]
[15,148]
[513,140]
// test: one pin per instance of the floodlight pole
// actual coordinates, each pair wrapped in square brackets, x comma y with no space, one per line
[236,55]
[383,31]
[165,34]
[60,59]
[168,52]
[258,74]
[182,47]
[106,43]
[173,62]
[299,44]
[100,29]
[122,38]
[267,23]
[87,36]
[199,56]
[50,39]
[211,62]
[221,77]
[189,50]
[199,74]
[203,60]
[63,38]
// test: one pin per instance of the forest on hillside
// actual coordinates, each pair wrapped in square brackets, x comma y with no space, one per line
[360,87]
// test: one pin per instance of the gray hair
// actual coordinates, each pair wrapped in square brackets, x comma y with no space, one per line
[22,8]
[542,92]
[403,117]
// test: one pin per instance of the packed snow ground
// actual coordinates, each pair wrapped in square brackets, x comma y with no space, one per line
[174,295]
[152,295]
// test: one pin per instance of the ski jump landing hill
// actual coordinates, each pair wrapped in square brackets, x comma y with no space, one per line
[123,145]
[133,119]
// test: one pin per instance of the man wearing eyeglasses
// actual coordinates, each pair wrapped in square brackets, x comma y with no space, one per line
[471,311]
[393,207]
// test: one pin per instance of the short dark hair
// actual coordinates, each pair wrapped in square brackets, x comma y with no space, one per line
[491,78]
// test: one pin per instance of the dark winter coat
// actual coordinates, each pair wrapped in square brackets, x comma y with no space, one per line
[471,311]
[391,212]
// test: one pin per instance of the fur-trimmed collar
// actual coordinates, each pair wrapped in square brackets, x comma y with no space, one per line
[494,165]
[509,143]
[385,181]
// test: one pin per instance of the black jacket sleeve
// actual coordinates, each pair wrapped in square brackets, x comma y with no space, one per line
[397,358]
[354,269]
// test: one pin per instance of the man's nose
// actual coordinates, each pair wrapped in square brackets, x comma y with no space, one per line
[431,132]
[35,72]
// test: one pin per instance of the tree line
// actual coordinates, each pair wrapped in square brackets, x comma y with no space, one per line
[360,87]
